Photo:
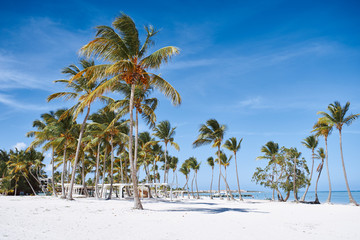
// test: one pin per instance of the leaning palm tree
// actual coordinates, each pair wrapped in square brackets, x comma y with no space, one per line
[337,116]
[82,87]
[311,142]
[121,47]
[166,133]
[210,162]
[234,146]
[271,150]
[323,127]
[211,132]
[319,155]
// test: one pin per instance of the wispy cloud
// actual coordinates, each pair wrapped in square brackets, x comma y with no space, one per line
[12,103]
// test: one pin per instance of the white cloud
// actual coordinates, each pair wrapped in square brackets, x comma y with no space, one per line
[10,102]
[19,146]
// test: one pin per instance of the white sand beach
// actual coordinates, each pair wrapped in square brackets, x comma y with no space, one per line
[52,218]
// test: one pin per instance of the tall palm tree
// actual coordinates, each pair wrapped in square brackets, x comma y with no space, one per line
[234,146]
[323,127]
[337,116]
[121,47]
[173,165]
[225,161]
[311,142]
[166,133]
[271,150]
[319,155]
[211,132]
[82,87]
[210,162]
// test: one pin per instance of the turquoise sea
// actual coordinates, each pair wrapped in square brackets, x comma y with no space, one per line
[337,197]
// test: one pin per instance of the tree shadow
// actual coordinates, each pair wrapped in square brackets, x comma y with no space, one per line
[213,210]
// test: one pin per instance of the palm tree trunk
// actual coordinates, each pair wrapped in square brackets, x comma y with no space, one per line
[192,185]
[317,181]
[177,184]
[52,173]
[219,172]
[103,175]
[294,181]
[97,172]
[29,183]
[77,154]
[111,168]
[197,190]
[83,177]
[137,202]
[351,199]
[15,192]
[165,154]
[311,173]
[228,190]
[328,200]
[237,178]
[63,195]
[212,176]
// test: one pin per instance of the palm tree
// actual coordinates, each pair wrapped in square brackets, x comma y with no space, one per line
[311,142]
[271,150]
[121,47]
[82,88]
[211,132]
[337,116]
[173,165]
[225,161]
[210,162]
[320,155]
[323,127]
[166,133]
[234,146]
[185,170]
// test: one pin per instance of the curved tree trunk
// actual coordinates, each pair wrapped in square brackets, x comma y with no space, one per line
[97,172]
[351,199]
[137,202]
[237,178]
[328,200]
[77,154]
[52,173]
[63,195]
[311,173]
[212,176]
[317,181]
[28,183]
[228,190]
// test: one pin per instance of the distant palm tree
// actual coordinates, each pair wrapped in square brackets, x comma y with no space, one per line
[323,127]
[271,150]
[185,170]
[234,146]
[211,132]
[173,165]
[320,155]
[166,133]
[225,161]
[311,142]
[337,116]
[210,162]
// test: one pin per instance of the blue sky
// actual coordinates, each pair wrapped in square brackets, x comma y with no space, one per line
[263,68]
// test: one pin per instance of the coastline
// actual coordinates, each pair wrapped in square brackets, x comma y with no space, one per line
[38,217]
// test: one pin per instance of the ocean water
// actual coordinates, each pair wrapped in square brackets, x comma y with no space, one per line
[337,197]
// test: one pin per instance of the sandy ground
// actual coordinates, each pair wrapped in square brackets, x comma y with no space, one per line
[52,218]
